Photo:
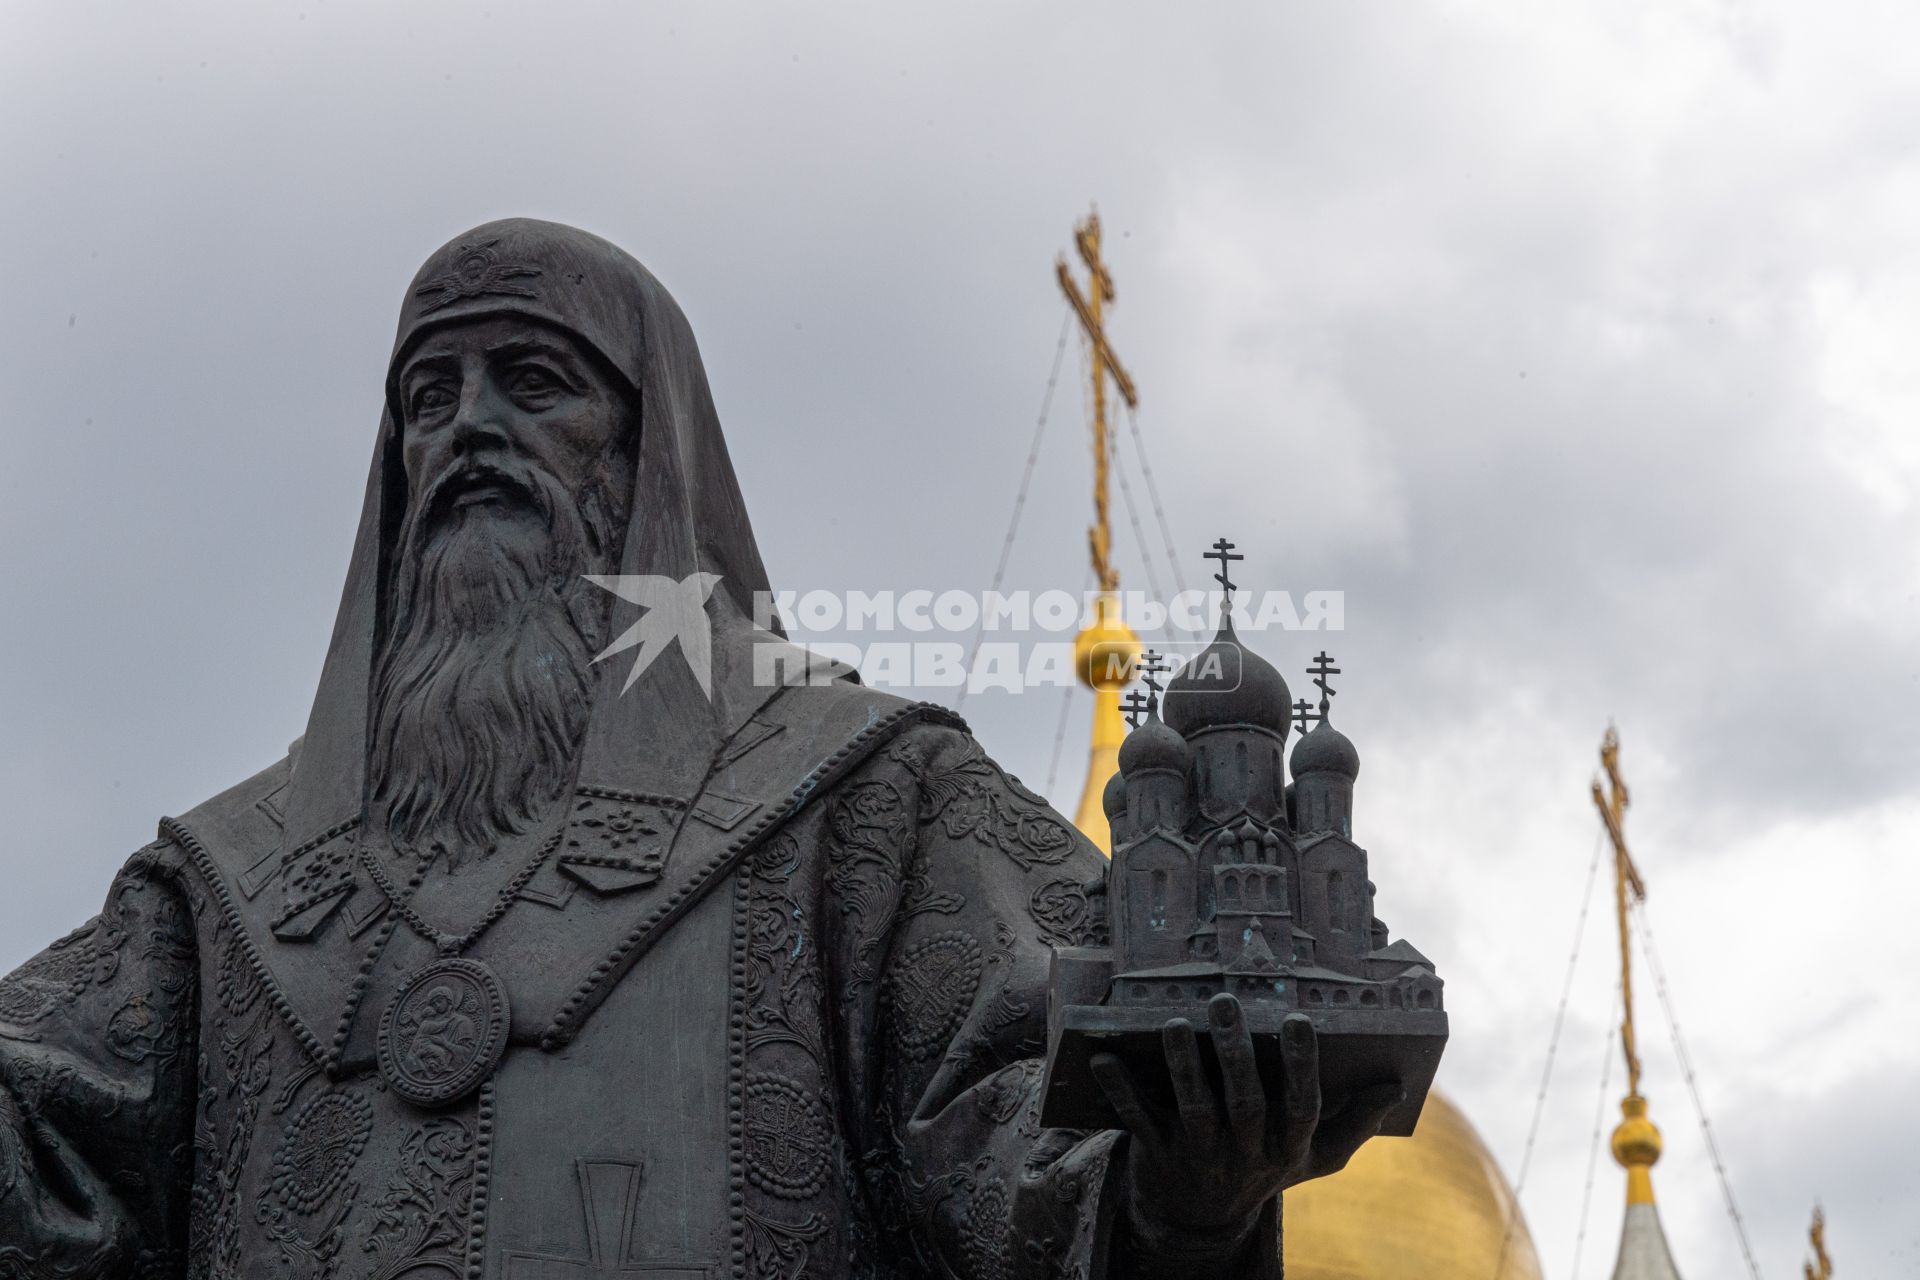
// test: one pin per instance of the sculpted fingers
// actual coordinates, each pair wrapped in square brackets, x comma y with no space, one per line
[1300,1103]
[1117,1083]
[1246,1097]
[1191,1093]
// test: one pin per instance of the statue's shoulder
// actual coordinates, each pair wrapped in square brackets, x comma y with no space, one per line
[238,843]
[237,827]
[931,762]
[939,754]
[830,704]
[809,738]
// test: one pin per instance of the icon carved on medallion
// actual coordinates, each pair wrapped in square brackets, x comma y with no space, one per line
[443,1032]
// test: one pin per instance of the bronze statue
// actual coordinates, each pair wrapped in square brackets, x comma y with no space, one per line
[524,966]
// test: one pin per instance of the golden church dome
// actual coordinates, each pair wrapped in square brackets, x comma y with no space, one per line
[1431,1207]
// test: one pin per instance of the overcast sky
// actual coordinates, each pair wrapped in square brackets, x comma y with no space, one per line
[1573,343]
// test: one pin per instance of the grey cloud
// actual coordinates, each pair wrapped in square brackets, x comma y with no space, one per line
[1505,325]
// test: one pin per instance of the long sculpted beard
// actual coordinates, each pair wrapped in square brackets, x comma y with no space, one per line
[485,683]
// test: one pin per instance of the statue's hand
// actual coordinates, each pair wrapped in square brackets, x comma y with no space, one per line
[1199,1175]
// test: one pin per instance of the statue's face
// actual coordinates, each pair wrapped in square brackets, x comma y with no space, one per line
[519,469]
[485,403]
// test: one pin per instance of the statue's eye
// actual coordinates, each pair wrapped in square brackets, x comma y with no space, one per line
[435,397]
[532,381]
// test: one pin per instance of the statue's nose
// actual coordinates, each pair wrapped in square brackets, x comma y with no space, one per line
[477,429]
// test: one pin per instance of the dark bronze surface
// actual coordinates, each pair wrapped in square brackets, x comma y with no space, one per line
[518,969]
[443,1032]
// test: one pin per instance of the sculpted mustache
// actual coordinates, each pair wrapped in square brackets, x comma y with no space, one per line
[521,485]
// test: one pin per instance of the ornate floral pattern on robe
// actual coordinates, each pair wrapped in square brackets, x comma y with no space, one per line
[892,944]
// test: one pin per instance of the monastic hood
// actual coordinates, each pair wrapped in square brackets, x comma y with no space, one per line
[687,516]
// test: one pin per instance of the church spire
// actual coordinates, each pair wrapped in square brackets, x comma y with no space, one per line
[1105,652]
[1821,1268]
[1644,1254]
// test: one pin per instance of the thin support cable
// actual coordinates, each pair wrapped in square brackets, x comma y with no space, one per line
[1599,1122]
[1066,704]
[1139,533]
[1645,927]
[1153,496]
[1020,498]
[1553,1048]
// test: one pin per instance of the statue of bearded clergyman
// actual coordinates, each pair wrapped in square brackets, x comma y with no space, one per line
[522,966]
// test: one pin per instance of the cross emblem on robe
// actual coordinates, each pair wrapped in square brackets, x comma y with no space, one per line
[609,1195]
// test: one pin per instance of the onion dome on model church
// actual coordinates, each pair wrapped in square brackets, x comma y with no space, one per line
[1152,745]
[1232,706]
[1113,803]
[1154,763]
[1227,684]
[1324,763]
[1325,750]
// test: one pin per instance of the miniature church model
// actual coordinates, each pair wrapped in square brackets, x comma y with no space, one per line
[1227,878]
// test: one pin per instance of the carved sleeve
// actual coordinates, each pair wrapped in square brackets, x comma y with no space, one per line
[953,883]
[97,1090]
